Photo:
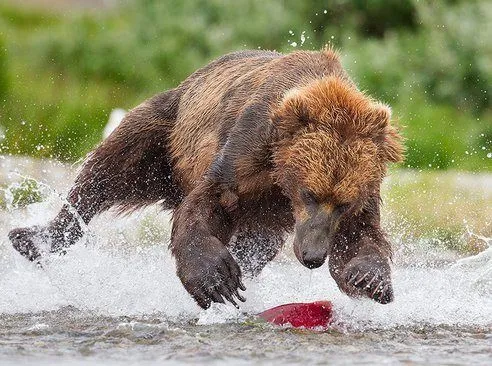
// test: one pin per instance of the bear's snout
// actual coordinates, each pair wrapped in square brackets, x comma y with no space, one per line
[314,258]
[312,239]
[311,248]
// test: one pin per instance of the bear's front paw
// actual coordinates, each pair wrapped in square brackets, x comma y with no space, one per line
[210,274]
[370,276]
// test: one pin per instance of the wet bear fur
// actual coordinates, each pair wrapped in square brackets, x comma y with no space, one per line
[247,149]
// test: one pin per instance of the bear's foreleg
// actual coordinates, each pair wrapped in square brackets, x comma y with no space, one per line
[202,223]
[360,257]
[204,265]
[245,155]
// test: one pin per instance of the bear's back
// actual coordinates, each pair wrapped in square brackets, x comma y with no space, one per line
[214,96]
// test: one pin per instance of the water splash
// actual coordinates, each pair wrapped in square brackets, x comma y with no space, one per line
[124,268]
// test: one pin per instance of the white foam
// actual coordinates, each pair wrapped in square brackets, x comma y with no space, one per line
[120,271]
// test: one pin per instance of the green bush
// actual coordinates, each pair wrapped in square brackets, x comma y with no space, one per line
[429,60]
[454,145]
[21,194]
[4,83]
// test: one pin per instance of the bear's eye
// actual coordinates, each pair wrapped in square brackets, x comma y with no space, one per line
[308,197]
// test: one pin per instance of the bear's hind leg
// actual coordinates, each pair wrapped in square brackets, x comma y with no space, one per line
[130,169]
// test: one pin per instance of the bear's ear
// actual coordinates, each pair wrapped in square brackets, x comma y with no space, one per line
[379,118]
[389,140]
[392,145]
[292,114]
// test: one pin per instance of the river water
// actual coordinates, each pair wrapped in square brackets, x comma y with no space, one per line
[115,299]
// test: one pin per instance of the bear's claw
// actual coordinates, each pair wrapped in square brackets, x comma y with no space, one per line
[369,276]
[213,276]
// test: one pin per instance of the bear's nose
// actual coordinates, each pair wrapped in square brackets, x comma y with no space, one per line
[313,258]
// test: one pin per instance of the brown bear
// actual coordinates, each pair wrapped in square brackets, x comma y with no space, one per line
[253,146]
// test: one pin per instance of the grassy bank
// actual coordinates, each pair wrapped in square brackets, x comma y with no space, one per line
[449,208]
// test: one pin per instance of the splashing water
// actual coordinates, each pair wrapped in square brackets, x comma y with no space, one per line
[107,276]
[119,283]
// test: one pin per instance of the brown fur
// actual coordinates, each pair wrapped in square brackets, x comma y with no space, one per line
[333,140]
[248,148]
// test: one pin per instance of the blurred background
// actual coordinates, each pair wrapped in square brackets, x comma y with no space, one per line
[66,64]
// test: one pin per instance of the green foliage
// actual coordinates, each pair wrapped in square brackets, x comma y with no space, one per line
[455,145]
[448,58]
[24,19]
[61,75]
[4,83]
[373,18]
[21,194]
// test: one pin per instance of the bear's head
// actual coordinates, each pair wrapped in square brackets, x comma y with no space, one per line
[333,147]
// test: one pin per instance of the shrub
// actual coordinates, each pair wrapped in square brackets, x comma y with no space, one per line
[429,60]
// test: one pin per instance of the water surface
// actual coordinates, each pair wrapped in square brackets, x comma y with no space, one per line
[115,299]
